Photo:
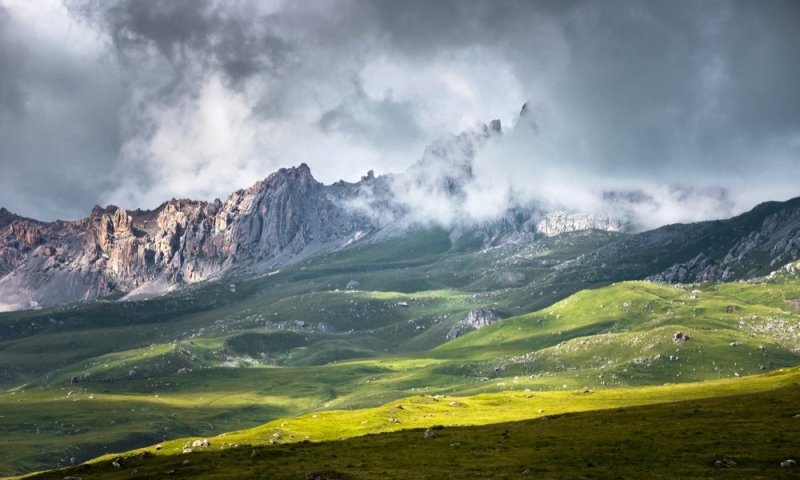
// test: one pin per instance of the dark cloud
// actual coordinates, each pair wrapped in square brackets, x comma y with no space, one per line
[58,130]
[692,96]
[11,57]
[384,122]
[229,36]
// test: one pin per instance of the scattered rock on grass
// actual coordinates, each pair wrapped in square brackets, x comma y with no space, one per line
[789,463]
[429,433]
[726,462]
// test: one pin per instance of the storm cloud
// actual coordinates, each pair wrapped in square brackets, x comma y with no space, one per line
[692,104]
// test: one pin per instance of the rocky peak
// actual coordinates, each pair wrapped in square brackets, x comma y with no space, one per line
[6,218]
[527,118]
[277,220]
[446,164]
[181,241]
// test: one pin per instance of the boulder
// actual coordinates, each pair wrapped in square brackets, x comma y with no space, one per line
[680,337]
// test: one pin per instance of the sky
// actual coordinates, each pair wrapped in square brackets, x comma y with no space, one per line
[695,105]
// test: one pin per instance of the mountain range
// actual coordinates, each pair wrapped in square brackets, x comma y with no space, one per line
[197,327]
[280,220]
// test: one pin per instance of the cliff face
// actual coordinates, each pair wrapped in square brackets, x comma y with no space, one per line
[774,243]
[182,241]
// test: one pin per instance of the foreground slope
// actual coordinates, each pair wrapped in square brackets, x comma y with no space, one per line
[748,425]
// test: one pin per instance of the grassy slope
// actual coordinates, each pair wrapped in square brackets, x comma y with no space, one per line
[661,432]
[221,335]
[593,344]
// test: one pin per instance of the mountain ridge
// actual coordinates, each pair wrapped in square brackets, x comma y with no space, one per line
[287,216]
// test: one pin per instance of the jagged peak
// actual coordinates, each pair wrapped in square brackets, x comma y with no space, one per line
[526,118]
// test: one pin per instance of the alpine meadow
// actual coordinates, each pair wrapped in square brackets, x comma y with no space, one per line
[365,239]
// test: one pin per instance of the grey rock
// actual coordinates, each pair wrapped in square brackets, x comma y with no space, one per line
[325,328]
[778,239]
[725,463]
[476,318]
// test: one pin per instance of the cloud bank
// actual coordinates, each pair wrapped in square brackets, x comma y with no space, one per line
[691,105]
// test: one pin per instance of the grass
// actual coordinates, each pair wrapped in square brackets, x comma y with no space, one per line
[213,359]
[659,432]
[616,337]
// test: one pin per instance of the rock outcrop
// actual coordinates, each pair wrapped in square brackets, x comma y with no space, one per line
[182,241]
[279,220]
[775,243]
[476,318]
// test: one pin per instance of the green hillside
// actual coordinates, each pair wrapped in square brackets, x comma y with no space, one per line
[90,379]
[702,430]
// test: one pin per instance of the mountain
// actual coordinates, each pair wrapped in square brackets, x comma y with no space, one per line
[744,247]
[181,241]
[280,220]
[378,311]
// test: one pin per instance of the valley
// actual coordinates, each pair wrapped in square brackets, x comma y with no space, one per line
[359,329]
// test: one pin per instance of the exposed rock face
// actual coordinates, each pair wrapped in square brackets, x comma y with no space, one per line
[476,318]
[181,241]
[561,222]
[285,217]
[776,243]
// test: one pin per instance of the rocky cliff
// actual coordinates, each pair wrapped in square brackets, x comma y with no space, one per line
[181,241]
[281,219]
[774,244]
